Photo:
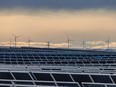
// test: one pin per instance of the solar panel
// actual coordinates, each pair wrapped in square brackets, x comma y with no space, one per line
[62,77]
[101,78]
[6,75]
[114,78]
[43,76]
[81,78]
[21,76]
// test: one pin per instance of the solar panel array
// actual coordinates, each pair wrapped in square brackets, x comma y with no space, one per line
[35,67]
[56,57]
[34,79]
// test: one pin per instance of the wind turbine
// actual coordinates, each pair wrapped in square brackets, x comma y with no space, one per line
[48,44]
[108,43]
[68,41]
[29,41]
[84,44]
[15,39]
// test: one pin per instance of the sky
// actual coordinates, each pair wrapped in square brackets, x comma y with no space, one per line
[53,20]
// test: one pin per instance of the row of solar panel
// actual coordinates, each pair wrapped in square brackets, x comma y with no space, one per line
[63,51]
[27,50]
[77,60]
[34,49]
[54,79]
[64,62]
[55,59]
[49,49]
[47,58]
[57,77]
[36,54]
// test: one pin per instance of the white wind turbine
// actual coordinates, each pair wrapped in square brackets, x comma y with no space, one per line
[15,39]
[48,44]
[68,41]
[29,41]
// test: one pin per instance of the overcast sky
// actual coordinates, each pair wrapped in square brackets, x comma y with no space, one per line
[58,4]
[52,20]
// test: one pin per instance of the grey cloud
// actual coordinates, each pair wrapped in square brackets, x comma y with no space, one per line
[58,4]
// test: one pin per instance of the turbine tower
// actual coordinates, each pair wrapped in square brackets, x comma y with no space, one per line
[29,41]
[48,44]
[68,41]
[108,43]
[84,44]
[15,39]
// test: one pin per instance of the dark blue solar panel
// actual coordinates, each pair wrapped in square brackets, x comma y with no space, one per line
[21,76]
[101,78]
[62,77]
[81,78]
[6,75]
[43,76]
[114,78]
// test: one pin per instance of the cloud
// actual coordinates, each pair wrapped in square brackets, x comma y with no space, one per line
[100,45]
[57,4]
[89,45]
[34,44]
[96,44]
[54,7]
